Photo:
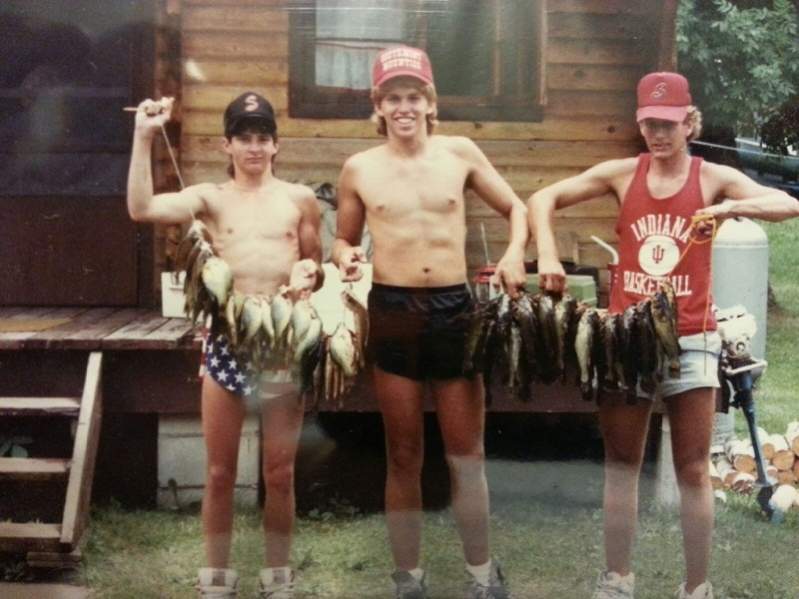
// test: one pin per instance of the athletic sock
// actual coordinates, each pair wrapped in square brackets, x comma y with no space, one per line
[481,573]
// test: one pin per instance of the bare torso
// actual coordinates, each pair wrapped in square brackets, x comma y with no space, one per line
[255,232]
[415,210]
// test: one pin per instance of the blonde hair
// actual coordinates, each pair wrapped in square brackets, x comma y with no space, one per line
[427,90]
[694,119]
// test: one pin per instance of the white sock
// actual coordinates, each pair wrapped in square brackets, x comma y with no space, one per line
[417,573]
[481,573]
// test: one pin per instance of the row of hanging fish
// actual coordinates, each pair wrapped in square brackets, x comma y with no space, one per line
[543,338]
[274,331]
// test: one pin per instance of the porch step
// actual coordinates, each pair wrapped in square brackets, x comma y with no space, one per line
[18,590]
[56,544]
[39,406]
[33,468]
[29,536]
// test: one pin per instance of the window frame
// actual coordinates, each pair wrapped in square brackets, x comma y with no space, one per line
[307,100]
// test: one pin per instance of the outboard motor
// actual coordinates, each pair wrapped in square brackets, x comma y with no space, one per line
[738,370]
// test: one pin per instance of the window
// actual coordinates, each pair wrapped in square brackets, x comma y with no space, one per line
[486,55]
[65,77]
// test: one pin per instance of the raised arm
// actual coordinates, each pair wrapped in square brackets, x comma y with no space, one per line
[307,274]
[350,215]
[143,205]
[741,196]
[495,191]
[594,182]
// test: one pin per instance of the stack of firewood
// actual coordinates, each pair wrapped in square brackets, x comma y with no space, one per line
[735,469]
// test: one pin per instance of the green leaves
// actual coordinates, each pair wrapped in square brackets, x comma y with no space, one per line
[743,63]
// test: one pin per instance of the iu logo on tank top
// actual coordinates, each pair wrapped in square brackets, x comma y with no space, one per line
[658,253]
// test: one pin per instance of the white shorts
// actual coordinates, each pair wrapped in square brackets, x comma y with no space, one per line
[699,367]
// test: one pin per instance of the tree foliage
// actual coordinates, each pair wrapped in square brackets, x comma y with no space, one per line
[743,63]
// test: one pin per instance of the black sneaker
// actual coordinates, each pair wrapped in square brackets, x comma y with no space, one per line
[495,588]
[407,586]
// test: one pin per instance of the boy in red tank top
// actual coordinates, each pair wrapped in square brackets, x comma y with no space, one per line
[658,194]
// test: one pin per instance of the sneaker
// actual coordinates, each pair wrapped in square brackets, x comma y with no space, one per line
[217,583]
[611,585]
[495,589]
[276,583]
[407,585]
[703,591]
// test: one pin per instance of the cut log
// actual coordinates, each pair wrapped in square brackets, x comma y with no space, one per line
[726,471]
[743,483]
[796,469]
[785,477]
[767,443]
[792,436]
[784,459]
[715,479]
[783,498]
[741,455]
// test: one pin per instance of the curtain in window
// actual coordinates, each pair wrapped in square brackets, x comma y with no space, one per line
[349,35]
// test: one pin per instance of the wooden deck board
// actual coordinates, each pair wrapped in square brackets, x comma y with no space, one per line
[39,406]
[29,536]
[96,328]
[33,468]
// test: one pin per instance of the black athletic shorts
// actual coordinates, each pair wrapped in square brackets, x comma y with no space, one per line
[419,332]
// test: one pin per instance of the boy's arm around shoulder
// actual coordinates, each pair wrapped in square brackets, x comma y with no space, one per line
[350,217]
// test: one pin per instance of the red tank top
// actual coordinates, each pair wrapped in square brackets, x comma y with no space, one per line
[653,234]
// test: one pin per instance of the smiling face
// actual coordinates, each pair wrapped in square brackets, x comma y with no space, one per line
[251,151]
[664,138]
[407,106]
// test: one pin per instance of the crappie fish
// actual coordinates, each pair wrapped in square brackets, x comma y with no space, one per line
[309,340]
[547,351]
[342,350]
[301,315]
[629,349]
[360,318]
[664,316]
[583,346]
[564,314]
[218,280]
[647,347]
[524,315]
[281,318]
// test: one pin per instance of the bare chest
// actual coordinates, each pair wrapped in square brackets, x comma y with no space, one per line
[398,190]
[256,218]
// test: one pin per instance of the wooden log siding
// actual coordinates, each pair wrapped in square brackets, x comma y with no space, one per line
[595,52]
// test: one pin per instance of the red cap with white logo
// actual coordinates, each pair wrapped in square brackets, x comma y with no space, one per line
[402,61]
[663,96]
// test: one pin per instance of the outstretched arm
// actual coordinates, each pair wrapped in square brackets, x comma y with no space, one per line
[594,182]
[495,191]
[741,196]
[347,252]
[143,205]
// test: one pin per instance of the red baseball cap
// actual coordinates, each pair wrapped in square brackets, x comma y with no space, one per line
[663,96]
[402,61]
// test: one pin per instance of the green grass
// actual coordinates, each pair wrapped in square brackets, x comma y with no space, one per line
[546,520]
[777,393]
[548,549]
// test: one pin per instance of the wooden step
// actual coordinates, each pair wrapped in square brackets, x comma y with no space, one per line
[19,590]
[33,468]
[31,536]
[39,406]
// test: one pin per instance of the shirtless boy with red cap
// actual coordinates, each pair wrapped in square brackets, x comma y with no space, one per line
[410,191]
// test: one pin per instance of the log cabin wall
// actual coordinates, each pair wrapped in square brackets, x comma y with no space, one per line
[594,53]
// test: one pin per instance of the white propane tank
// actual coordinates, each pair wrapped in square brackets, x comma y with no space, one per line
[740,277]
[740,273]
